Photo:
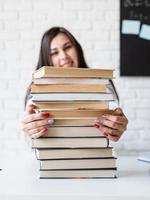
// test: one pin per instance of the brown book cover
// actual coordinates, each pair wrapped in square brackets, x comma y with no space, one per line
[83,131]
[72,121]
[50,88]
[50,71]
[47,154]
[78,174]
[44,143]
[87,163]
[72,105]
[75,113]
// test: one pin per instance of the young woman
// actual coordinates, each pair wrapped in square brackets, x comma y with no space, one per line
[60,48]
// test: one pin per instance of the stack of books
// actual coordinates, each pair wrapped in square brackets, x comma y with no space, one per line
[74,98]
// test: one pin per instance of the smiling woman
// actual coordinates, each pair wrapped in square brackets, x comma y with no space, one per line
[59,48]
[58,40]
[63,52]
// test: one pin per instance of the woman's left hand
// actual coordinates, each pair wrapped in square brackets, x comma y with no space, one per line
[112,125]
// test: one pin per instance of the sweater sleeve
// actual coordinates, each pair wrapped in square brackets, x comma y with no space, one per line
[113,104]
[29,101]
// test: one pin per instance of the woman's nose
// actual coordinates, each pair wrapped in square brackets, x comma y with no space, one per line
[63,55]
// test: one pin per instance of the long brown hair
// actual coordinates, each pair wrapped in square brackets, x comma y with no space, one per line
[44,55]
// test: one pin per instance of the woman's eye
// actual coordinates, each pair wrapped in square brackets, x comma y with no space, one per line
[68,47]
[54,53]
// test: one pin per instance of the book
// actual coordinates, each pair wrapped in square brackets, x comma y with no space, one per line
[46,154]
[87,163]
[54,88]
[82,80]
[145,157]
[75,113]
[72,105]
[72,132]
[69,143]
[72,121]
[96,173]
[72,96]
[50,71]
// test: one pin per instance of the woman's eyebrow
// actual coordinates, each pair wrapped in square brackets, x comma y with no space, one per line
[54,49]
[68,42]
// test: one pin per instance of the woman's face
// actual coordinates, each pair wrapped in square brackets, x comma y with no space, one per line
[63,53]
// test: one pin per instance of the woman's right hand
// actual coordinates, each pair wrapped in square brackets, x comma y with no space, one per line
[35,124]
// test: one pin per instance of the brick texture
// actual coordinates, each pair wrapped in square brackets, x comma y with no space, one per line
[96,25]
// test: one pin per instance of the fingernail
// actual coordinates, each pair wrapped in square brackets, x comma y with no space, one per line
[45,129]
[50,121]
[96,125]
[45,115]
[105,133]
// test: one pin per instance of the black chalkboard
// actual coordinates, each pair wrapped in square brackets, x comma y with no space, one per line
[135,38]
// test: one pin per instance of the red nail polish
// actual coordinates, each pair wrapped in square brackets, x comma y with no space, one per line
[105,133]
[45,129]
[96,125]
[46,115]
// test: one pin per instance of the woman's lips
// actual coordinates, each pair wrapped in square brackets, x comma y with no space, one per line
[68,64]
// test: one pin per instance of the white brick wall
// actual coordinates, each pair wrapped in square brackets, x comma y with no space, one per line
[96,25]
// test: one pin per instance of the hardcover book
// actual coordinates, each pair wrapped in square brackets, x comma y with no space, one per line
[42,143]
[95,173]
[87,163]
[50,71]
[46,154]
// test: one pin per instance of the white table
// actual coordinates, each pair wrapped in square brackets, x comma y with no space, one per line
[19,180]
